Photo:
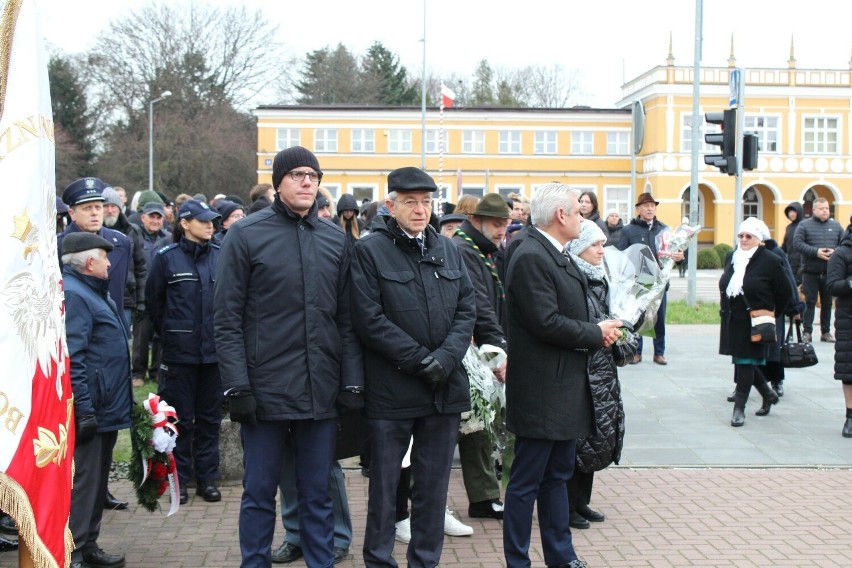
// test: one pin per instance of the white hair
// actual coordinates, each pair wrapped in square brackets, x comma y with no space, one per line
[77,260]
[547,199]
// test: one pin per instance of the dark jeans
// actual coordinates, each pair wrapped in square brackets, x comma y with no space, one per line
[814,284]
[659,331]
[145,341]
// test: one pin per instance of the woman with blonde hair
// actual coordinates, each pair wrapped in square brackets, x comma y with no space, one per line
[347,216]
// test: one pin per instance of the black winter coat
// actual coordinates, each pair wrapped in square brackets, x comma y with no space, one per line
[765,287]
[794,257]
[490,325]
[134,290]
[812,235]
[405,307]
[550,338]
[640,232]
[603,448]
[179,296]
[839,278]
[614,234]
[120,259]
[282,321]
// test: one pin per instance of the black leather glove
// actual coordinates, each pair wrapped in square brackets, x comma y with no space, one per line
[432,372]
[350,401]
[243,408]
[87,427]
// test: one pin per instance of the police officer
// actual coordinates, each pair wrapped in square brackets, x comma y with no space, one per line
[179,296]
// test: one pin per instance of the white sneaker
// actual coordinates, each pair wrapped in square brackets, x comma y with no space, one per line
[454,527]
[403,530]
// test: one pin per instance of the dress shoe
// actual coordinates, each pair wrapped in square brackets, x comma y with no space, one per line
[490,509]
[578,521]
[76,565]
[590,514]
[287,553]
[847,428]
[114,504]
[573,564]
[636,359]
[660,360]
[827,338]
[340,554]
[103,558]
[7,525]
[184,496]
[778,387]
[806,337]
[8,544]
[208,491]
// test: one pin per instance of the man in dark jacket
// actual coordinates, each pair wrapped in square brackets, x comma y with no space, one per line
[479,241]
[548,399]
[644,229]
[134,293]
[815,239]
[414,311]
[796,215]
[287,353]
[100,378]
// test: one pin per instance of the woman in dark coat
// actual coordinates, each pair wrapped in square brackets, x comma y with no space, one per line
[839,277]
[598,451]
[589,209]
[754,279]
[614,225]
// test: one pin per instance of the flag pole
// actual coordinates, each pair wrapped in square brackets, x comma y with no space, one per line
[441,154]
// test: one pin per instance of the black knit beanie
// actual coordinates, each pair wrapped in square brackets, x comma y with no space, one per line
[292,158]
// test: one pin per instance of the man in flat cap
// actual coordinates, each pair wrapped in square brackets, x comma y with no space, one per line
[413,308]
[479,240]
[287,353]
[644,230]
[100,378]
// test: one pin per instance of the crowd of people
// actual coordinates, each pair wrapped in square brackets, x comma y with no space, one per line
[293,313]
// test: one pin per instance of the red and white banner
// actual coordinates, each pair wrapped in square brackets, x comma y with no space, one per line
[447,97]
[36,402]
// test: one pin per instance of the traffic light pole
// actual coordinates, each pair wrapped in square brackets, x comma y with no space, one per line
[692,257]
[738,187]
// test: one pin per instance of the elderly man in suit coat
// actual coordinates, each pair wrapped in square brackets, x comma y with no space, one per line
[548,398]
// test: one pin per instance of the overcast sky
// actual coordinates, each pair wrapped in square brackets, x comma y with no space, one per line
[606,40]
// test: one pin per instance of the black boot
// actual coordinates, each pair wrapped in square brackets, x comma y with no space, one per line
[770,397]
[778,387]
[847,428]
[738,418]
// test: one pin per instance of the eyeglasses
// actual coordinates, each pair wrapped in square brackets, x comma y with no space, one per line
[412,203]
[745,236]
[299,176]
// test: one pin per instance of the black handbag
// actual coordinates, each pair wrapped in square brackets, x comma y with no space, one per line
[799,354]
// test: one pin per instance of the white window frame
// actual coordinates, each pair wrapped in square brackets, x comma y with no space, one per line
[473,142]
[583,142]
[476,190]
[755,208]
[372,188]
[287,138]
[546,142]
[399,141]
[684,207]
[820,134]
[686,134]
[432,139]
[509,142]
[618,143]
[334,190]
[613,200]
[363,141]
[325,140]
[505,190]
[758,124]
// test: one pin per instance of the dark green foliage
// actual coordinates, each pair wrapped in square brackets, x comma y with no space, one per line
[723,249]
[708,259]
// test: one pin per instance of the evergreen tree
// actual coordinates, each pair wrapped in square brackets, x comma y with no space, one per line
[385,79]
[72,118]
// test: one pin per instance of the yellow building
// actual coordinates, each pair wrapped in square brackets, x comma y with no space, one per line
[803,118]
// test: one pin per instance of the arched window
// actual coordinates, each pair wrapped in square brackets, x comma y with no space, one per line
[751,203]
[684,207]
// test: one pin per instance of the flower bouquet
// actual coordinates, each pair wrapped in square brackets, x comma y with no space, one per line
[636,286]
[152,466]
[487,395]
[671,241]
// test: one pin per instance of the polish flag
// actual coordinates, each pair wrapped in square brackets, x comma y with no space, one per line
[36,402]
[447,96]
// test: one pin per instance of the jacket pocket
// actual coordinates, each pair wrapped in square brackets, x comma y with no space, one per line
[449,281]
[397,288]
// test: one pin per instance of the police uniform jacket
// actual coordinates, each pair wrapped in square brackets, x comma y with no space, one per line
[179,296]
[406,306]
[120,259]
[97,348]
[282,320]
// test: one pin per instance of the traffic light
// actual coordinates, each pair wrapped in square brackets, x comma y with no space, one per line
[749,152]
[726,140]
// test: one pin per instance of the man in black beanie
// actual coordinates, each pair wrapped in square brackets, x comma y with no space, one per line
[288,355]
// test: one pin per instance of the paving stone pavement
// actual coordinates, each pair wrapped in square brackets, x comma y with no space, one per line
[690,490]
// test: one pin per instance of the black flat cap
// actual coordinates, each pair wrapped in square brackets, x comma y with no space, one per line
[79,241]
[410,179]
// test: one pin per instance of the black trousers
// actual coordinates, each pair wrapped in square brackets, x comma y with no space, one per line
[92,462]
[145,342]
[814,284]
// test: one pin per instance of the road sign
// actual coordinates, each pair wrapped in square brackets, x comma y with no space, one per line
[734,88]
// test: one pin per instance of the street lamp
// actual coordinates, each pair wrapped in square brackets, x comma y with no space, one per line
[151,138]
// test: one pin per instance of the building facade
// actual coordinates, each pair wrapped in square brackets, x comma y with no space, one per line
[803,119]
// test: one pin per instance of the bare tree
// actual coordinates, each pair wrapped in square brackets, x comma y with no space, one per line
[538,86]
